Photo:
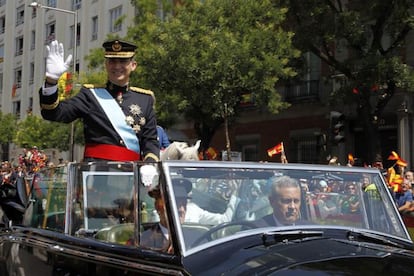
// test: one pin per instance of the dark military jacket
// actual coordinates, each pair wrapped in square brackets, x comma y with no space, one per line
[136,103]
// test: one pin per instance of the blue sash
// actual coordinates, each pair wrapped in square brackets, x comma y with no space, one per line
[117,118]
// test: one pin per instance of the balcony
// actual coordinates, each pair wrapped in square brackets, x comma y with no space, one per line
[302,91]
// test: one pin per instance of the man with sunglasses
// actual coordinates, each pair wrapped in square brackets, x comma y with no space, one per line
[119,120]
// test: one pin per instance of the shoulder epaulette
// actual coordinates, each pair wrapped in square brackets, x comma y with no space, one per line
[142,90]
[89,86]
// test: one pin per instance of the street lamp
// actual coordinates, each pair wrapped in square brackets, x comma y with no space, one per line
[35,5]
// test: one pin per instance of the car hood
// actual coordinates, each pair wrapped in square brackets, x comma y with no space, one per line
[320,256]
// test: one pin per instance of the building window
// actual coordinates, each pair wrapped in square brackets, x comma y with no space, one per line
[76,4]
[250,152]
[51,3]
[162,10]
[18,77]
[31,73]
[16,109]
[20,15]
[302,91]
[115,23]
[33,40]
[2,24]
[50,32]
[304,149]
[34,13]
[78,34]
[19,46]
[30,107]
[1,53]
[249,146]
[1,83]
[94,30]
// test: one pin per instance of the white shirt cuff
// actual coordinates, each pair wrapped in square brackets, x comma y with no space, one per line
[47,91]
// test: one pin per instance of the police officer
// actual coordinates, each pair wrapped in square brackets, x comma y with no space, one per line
[119,120]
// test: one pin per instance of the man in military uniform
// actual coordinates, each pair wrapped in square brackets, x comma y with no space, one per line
[119,120]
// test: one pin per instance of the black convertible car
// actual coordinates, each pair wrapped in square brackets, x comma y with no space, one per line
[202,218]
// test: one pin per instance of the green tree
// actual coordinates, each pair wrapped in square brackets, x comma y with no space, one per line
[372,33]
[34,131]
[7,132]
[203,56]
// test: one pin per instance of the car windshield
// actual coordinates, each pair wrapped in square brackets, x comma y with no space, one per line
[229,198]
[187,206]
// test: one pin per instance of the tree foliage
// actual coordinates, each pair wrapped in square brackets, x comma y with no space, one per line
[35,131]
[7,132]
[8,127]
[202,56]
[362,42]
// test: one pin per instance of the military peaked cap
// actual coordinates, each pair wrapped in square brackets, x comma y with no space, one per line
[119,49]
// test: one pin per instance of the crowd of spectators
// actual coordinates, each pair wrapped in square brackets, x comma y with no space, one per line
[400,181]
[28,162]
[332,197]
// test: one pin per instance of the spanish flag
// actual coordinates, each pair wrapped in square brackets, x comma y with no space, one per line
[68,83]
[399,161]
[211,153]
[276,150]
[394,180]
[351,160]
[393,156]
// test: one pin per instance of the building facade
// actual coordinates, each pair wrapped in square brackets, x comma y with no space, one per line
[27,27]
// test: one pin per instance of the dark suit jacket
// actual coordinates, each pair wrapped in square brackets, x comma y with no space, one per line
[269,220]
[154,238]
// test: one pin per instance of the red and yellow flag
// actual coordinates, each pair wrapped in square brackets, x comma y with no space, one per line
[68,83]
[399,161]
[276,150]
[393,156]
[211,153]
[402,163]
[351,160]
[394,180]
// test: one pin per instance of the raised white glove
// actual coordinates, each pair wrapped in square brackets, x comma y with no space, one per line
[55,65]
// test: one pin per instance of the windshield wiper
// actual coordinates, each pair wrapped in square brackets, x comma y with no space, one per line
[86,232]
[270,238]
[355,235]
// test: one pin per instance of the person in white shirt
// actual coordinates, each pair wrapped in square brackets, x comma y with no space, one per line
[195,214]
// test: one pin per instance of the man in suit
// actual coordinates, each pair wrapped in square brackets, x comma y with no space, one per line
[158,235]
[285,199]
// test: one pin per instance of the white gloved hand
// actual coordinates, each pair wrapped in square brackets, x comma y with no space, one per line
[55,65]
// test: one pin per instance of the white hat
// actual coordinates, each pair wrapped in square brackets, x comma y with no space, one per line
[323,183]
